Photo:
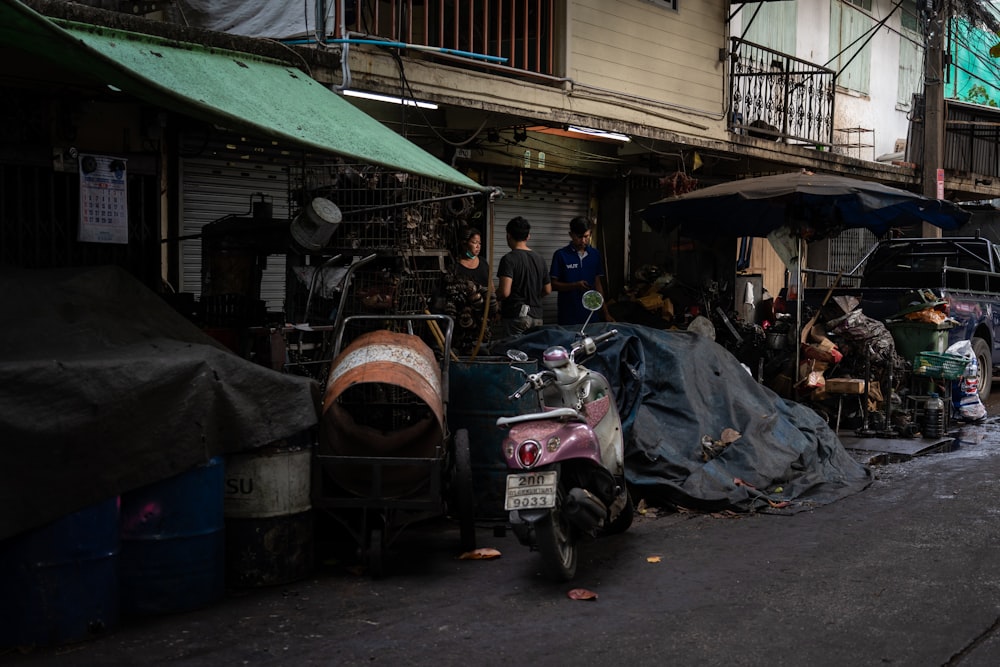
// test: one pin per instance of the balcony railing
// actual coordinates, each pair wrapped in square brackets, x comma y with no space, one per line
[776,96]
[505,34]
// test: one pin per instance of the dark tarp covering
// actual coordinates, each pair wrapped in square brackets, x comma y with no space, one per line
[673,388]
[105,388]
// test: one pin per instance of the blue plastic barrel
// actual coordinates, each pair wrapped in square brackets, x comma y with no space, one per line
[173,543]
[477,395]
[59,582]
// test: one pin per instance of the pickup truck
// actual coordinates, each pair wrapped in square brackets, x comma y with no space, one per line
[965,271]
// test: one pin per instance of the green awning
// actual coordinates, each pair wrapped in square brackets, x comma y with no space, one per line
[235,90]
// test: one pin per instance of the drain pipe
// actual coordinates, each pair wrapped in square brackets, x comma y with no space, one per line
[345,67]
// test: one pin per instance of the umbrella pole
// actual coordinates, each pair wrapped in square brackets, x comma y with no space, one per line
[798,309]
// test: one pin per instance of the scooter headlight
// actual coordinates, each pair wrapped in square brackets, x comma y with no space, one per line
[528,453]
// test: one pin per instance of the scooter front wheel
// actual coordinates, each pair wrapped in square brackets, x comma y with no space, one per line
[557,546]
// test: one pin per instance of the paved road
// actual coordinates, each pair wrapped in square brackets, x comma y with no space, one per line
[903,573]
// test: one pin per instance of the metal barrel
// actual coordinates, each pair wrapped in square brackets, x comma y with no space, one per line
[383,398]
[314,226]
[172,543]
[268,514]
[60,581]
[478,391]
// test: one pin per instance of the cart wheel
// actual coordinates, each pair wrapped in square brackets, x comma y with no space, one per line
[462,493]
[376,553]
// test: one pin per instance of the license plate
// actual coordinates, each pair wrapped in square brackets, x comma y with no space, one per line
[530,490]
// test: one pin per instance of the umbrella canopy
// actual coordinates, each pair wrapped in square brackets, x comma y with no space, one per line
[814,206]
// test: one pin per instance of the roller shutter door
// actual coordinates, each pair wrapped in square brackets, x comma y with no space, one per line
[548,202]
[213,188]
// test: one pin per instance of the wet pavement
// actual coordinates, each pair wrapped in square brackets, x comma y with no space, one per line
[904,572]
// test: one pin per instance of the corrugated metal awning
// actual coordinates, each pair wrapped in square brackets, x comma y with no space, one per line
[236,90]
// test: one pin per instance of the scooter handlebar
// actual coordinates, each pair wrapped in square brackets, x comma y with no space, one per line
[536,381]
[600,338]
[588,345]
[520,392]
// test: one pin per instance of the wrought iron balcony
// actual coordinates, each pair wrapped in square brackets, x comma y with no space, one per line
[777,96]
[513,36]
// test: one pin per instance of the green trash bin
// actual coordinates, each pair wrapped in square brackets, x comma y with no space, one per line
[912,338]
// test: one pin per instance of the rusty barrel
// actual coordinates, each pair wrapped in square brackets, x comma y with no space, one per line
[268,513]
[383,398]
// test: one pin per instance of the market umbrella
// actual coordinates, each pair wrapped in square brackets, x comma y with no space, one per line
[795,207]
[812,206]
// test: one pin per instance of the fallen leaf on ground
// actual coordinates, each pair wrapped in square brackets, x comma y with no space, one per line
[730,435]
[654,559]
[480,554]
[582,594]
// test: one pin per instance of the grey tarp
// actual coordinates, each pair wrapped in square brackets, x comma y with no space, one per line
[674,388]
[105,388]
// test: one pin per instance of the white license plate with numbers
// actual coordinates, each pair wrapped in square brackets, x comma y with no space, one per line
[530,490]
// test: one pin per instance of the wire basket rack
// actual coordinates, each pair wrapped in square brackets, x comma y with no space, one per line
[381,209]
[393,286]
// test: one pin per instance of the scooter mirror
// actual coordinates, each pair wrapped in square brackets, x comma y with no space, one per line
[592,300]
[517,355]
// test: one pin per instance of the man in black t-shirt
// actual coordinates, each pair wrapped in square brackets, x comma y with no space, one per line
[523,282]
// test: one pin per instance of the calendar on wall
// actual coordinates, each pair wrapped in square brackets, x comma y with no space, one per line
[103,205]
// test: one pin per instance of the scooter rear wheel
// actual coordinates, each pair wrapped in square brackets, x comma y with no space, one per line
[624,518]
[557,546]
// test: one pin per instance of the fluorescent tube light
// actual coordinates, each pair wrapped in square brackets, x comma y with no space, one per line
[390,98]
[598,133]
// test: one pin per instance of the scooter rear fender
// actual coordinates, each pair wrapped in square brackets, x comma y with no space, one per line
[575,441]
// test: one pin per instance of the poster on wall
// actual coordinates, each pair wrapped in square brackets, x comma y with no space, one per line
[103,210]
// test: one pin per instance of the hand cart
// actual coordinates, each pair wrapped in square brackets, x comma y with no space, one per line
[386,458]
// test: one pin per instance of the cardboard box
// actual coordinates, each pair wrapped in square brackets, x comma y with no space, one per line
[845,386]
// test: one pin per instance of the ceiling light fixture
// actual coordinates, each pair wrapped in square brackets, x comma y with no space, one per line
[389,98]
[598,133]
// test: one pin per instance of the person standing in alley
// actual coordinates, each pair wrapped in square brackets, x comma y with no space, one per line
[523,282]
[576,268]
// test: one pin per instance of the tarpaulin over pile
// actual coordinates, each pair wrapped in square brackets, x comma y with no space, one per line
[105,388]
[674,388]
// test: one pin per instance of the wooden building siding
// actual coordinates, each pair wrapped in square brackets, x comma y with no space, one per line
[641,49]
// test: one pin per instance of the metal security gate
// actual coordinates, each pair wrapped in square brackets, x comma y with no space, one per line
[218,183]
[549,202]
[843,252]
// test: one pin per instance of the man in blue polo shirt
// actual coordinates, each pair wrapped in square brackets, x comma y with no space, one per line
[575,269]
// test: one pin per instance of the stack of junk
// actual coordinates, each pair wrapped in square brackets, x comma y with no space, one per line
[877,377]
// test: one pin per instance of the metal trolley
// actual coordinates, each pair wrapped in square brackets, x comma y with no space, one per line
[386,458]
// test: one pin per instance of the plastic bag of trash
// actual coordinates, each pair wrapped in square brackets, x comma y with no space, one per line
[965,390]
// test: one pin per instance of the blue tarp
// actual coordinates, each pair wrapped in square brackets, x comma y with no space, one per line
[674,388]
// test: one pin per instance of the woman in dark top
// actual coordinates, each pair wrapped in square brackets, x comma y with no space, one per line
[470,265]
[468,293]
